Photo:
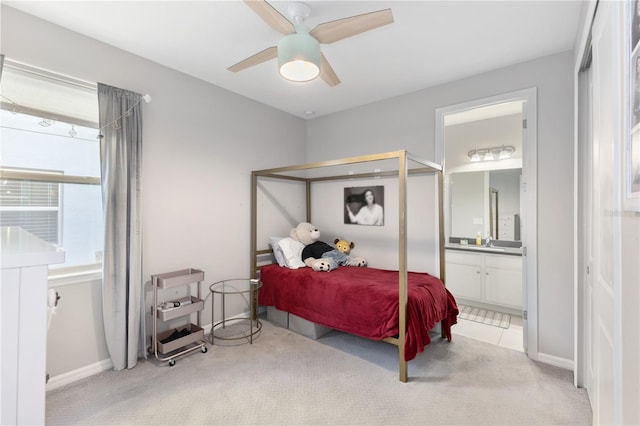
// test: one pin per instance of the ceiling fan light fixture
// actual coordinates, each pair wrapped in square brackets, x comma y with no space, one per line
[299,56]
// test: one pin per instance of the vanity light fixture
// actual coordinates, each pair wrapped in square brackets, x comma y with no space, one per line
[505,153]
[491,153]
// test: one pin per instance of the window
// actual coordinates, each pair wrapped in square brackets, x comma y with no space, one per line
[50,162]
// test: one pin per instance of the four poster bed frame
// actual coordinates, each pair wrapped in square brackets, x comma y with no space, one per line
[403,171]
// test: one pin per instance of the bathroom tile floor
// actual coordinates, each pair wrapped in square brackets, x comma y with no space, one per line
[510,338]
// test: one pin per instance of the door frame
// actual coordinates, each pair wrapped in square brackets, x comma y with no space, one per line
[529,201]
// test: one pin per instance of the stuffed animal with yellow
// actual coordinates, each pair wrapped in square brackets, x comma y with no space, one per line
[343,245]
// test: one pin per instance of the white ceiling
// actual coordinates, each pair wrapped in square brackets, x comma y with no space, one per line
[430,42]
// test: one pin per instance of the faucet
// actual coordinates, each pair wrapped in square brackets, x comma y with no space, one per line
[489,242]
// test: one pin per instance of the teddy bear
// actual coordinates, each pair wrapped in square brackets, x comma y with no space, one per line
[319,255]
[344,245]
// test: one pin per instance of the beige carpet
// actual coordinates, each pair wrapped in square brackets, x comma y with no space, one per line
[287,379]
[484,316]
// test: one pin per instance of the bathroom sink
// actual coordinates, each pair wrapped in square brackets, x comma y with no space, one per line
[483,248]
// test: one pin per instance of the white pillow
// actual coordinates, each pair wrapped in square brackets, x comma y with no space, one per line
[292,251]
[277,251]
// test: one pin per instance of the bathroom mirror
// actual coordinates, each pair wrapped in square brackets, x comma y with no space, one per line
[487,202]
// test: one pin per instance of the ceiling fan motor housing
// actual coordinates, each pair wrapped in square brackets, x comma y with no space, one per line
[299,56]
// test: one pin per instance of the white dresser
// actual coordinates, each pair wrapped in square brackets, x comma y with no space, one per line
[23,303]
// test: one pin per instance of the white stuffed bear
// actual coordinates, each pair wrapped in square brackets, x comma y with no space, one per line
[319,255]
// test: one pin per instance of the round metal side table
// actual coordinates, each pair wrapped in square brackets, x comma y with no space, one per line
[233,287]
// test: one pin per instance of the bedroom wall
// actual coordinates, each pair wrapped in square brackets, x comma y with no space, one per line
[407,122]
[200,144]
[462,138]
[379,244]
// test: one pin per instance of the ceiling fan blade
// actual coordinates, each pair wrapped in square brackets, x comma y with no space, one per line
[327,73]
[332,31]
[258,58]
[271,16]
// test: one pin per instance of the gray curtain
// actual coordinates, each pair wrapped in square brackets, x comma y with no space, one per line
[122,283]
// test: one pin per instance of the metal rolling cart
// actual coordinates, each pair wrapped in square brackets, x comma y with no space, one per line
[182,340]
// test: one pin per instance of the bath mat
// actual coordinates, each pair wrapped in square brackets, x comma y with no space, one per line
[484,316]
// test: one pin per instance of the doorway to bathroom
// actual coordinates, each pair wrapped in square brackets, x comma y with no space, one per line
[488,148]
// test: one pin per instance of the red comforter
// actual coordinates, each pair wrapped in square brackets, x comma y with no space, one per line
[361,301]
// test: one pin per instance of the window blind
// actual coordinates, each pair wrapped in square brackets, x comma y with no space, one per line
[34,206]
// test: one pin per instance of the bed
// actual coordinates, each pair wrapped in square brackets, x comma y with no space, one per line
[361,301]
[349,298]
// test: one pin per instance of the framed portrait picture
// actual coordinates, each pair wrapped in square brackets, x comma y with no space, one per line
[364,205]
[631,152]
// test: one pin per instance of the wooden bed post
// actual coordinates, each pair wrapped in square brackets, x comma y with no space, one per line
[441,227]
[308,192]
[441,235]
[253,248]
[402,264]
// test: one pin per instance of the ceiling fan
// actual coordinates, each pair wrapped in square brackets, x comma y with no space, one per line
[298,53]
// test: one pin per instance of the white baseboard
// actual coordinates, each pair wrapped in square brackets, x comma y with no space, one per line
[104,365]
[565,363]
[81,373]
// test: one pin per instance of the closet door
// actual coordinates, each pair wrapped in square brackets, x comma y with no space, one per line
[607,116]
[585,374]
